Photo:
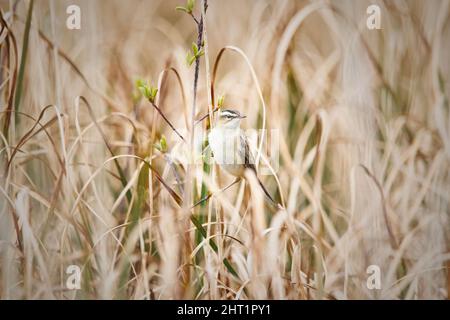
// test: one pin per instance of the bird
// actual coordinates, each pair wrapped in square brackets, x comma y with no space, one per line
[230,147]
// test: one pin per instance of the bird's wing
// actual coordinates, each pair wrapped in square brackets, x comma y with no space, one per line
[246,153]
[249,162]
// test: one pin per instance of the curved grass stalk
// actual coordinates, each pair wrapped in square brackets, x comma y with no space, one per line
[255,80]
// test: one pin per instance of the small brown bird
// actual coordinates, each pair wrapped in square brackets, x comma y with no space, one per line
[230,147]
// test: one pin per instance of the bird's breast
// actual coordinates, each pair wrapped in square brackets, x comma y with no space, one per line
[224,144]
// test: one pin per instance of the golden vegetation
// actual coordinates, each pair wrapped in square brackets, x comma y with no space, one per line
[88,177]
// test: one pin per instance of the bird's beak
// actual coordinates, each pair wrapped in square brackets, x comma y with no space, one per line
[243,117]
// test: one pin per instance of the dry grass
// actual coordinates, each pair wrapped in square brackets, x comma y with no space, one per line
[364,173]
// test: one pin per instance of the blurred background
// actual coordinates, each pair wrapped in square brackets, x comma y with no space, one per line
[96,204]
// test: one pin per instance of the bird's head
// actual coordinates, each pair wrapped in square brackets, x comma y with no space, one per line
[230,119]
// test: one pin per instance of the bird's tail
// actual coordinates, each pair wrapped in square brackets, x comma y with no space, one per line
[268,194]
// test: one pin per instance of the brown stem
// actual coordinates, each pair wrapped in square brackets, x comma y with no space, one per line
[206,115]
[208,196]
[167,120]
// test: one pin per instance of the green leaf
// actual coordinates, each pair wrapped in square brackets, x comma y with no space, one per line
[200,53]
[145,91]
[163,143]
[190,59]
[180,8]
[143,87]
[188,8]
[190,5]
[153,93]
[213,245]
[140,83]
[194,48]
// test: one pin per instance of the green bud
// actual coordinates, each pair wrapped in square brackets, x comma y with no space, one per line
[163,143]
[146,90]
[220,101]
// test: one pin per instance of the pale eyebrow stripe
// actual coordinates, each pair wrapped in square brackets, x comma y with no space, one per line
[229,113]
